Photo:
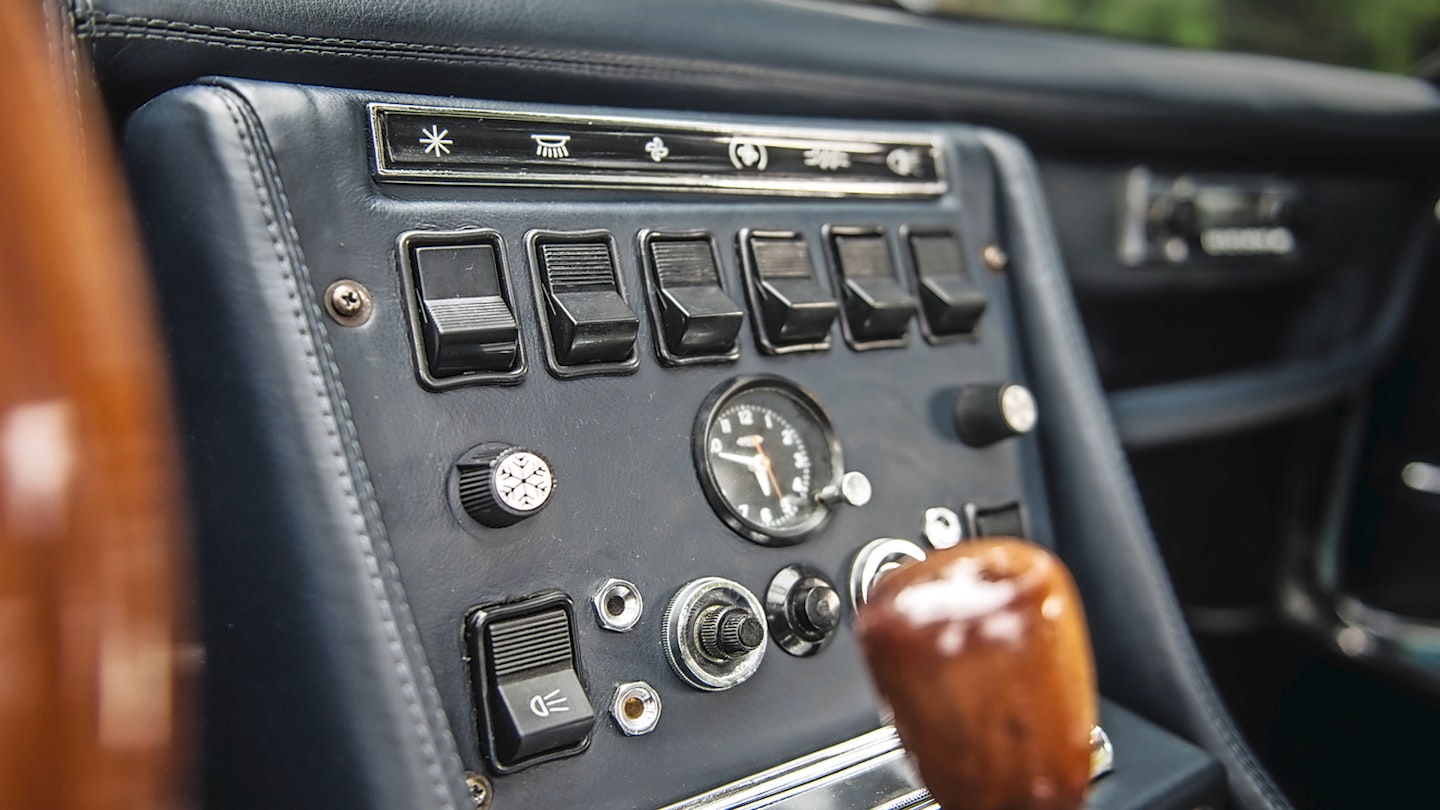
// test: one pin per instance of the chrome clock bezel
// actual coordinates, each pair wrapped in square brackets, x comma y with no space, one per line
[723,397]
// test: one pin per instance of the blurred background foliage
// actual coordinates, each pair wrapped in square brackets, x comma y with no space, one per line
[1389,35]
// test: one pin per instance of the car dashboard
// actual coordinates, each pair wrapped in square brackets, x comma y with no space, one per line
[461,302]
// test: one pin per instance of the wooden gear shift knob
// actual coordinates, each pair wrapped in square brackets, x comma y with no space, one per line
[983,654]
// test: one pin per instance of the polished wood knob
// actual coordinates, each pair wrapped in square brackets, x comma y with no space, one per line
[983,655]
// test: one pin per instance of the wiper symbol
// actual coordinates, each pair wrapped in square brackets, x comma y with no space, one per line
[548,704]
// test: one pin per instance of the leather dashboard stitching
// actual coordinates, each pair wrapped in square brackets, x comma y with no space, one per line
[385,587]
[1014,157]
[106,25]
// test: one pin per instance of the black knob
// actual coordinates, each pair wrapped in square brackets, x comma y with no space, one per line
[728,632]
[501,485]
[985,413]
[816,608]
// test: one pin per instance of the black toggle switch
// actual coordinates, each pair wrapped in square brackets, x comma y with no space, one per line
[950,304]
[696,319]
[1000,520]
[587,319]
[793,311]
[466,321]
[526,676]
[878,308]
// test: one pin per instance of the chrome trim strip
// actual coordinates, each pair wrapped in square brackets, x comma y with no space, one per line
[846,761]
[798,775]
[859,141]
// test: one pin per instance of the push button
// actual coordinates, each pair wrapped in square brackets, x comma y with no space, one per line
[466,322]
[525,673]
[696,319]
[949,303]
[587,320]
[877,308]
[793,310]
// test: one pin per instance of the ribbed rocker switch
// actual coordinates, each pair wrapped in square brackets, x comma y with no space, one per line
[950,304]
[696,318]
[878,308]
[500,485]
[465,314]
[793,311]
[526,675]
[587,319]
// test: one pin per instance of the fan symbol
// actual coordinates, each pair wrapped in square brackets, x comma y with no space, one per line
[657,149]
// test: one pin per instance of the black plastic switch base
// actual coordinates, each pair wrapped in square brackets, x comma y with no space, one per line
[695,318]
[1000,520]
[525,672]
[950,305]
[792,311]
[877,308]
[589,327]
[465,319]
[548,712]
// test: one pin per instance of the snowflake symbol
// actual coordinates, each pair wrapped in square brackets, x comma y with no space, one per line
[435,141]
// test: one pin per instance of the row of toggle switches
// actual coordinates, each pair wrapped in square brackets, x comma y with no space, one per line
[466,327]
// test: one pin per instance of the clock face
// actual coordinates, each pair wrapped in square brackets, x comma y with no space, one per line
[767,454]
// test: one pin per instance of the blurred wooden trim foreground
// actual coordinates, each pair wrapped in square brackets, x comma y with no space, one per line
[89,550]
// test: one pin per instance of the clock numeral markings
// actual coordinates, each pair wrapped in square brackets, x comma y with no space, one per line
[716,445]
[788,436]
[725,426]
[747,417]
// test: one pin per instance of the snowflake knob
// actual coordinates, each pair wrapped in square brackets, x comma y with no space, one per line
[501,485]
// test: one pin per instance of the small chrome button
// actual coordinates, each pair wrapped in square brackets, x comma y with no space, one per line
[877,559]
[636,708]
[943,528]
[618,605]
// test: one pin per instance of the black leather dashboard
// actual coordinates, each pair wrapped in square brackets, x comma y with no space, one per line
[337,572]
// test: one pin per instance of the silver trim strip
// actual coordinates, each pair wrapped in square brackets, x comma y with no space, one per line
[848,760]
[715,183]
[800,774]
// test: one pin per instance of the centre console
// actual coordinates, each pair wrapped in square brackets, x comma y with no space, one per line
[549,451]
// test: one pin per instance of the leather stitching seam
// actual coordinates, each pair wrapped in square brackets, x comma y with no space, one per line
[101,25]
[292,267]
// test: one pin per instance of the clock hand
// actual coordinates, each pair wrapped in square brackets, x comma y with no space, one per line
[770,470]
[765,462]
[748,461]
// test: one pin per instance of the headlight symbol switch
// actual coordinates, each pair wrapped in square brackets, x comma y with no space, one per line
[526,674]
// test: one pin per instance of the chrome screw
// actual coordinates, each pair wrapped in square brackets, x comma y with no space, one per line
[348,302]
[481,793]
[995,258]
[942,527]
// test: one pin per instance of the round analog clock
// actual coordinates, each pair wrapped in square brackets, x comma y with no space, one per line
[768,459]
